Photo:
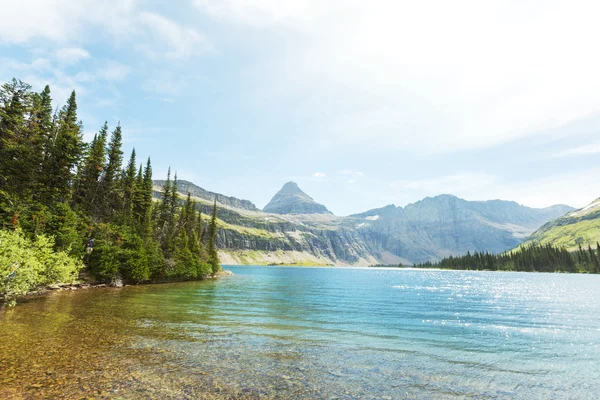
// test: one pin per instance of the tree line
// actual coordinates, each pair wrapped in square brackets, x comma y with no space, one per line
[529,258]
[85,204]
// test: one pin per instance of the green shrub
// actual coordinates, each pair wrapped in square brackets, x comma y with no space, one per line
[26,265]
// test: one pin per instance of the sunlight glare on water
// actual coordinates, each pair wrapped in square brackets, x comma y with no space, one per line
[285,332]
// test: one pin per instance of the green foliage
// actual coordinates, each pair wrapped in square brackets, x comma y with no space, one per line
[213,255]
[27,264]
[88,182]
[60,193]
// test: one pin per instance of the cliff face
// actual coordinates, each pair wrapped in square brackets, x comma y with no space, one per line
[303,231]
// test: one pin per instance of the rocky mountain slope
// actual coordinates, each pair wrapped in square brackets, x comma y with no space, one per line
[186,187]
[300,231]
[292,200]
[445,225]
[579,227]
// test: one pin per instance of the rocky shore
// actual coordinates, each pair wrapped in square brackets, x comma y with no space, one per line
[86,282]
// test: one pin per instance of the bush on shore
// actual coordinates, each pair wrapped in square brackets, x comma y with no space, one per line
[26,264]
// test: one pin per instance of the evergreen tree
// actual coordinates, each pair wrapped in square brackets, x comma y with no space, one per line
[109,193]
[164,208]
[15,104]
[41,122]
[138,198]
[52,183]
[213,255]
[64,154]
[146,206]
[91,171]
[129,187]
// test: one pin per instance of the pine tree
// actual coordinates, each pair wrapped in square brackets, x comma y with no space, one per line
[163,211]
[148,187]
[109,195]
[174,198]
[91,171]
[129,187]
[41,121]
[146,199]
[138,198]
[213,255]
[64,154]
[15,99]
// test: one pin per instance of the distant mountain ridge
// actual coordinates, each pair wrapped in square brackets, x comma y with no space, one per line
[186,187]
[293,228]
[292,200]
[445,225]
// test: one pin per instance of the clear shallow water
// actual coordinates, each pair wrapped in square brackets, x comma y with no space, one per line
[306,333]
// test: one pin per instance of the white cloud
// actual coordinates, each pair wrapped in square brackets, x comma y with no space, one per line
[180,42]
[319,175]
[67,22]
[165,84]
[583,150]
[71,55]
[467,182]
[110,71]
[429,76]
[350,172]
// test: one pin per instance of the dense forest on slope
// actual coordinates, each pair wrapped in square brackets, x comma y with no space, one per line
[67,205]
[528,258]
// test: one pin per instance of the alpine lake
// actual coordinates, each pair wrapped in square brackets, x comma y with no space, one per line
[311,333]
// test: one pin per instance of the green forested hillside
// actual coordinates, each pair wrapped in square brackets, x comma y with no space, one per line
[579,228]
[67,205]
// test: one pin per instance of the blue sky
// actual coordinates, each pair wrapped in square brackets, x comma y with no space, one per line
[362,103]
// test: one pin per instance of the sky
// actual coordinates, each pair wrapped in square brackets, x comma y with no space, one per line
[362,103]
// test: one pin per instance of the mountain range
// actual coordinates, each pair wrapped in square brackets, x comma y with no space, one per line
[295,229]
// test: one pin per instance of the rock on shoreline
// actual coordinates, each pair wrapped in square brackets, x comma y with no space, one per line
[58,287]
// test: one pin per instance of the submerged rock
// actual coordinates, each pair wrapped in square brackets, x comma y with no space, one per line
[221,273]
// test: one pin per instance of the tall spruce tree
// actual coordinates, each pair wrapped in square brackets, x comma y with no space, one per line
[15,104]
[88,183]
[42,124]
[65,153]
[147,188]
[138,198]
[213,255]
[109,194]
[129,187]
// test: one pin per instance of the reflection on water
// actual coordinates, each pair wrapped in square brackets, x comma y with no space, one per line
[311,333]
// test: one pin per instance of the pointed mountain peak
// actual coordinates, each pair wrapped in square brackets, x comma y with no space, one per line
[291,187]
[292,200]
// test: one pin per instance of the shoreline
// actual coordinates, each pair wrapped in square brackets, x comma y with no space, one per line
[82,285]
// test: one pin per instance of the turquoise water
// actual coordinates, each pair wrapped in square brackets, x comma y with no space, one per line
[322,333]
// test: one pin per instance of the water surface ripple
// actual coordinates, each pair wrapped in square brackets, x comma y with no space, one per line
[312,333]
